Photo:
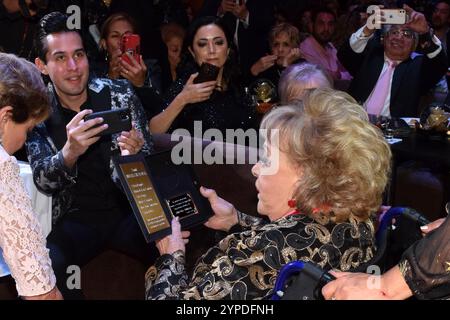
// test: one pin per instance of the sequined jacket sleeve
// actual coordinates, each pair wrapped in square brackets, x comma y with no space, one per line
[21,238]
[50,174]
[49,171]
[426,265]
[245,265]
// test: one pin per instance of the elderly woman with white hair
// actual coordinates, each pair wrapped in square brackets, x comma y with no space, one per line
[297,79]
[333,166]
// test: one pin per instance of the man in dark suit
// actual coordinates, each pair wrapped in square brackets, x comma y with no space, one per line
[249,20]
[369,60]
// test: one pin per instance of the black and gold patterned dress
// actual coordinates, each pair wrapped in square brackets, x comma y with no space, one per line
[244,265]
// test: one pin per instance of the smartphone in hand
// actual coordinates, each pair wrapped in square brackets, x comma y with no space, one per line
[394,16]
[208,72]
[131,43]
[118,120]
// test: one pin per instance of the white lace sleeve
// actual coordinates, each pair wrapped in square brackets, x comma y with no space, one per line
[21,237]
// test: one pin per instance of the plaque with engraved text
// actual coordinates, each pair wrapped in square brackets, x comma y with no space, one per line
[159,190]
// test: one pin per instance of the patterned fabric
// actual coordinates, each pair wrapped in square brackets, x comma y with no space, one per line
[50,174]
[245,265]
[425,266]
[21,237]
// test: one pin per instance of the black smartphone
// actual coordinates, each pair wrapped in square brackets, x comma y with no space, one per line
[208,72]
[118,120]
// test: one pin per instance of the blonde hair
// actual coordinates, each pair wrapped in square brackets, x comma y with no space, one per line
[297,79]
[119,16]
[344,160]
[291,31]
[171,30]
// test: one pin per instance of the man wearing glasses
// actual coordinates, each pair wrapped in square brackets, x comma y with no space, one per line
[391,73]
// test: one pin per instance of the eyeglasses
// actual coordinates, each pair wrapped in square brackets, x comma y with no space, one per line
[403,33]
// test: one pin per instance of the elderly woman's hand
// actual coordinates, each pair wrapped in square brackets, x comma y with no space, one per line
[134,72]
[225,214]
[353,286]
[176,241]
[263,64]
[196,92]
[130,142]
[291,57]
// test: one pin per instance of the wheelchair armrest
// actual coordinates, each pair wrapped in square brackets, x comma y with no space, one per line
[398,213]
[312,278]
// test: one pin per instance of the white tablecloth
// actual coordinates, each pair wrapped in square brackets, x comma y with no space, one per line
[42,206]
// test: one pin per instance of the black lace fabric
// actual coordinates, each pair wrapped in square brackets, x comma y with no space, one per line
[426,265]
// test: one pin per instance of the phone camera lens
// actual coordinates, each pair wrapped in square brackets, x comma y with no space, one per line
[124,116]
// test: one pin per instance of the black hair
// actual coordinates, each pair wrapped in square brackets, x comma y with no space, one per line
[54,22]
[230,69]
[316,11]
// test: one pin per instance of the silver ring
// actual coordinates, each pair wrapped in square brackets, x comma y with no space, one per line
[333,298]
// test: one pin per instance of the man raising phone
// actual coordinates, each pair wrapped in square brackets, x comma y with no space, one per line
[388,78]
[73,164]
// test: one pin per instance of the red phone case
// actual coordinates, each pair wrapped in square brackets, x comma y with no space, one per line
[131,43]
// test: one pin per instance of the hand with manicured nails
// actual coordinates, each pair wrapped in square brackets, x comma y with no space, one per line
[196,92]
[432,226]
[134,72]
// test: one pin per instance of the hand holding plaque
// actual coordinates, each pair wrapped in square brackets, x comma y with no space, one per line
[159,190]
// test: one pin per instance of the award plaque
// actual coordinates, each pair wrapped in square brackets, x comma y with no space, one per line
[159,190]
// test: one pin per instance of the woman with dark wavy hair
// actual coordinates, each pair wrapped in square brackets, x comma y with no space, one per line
[217,104]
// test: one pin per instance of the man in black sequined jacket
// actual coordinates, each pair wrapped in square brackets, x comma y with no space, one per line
[74,165]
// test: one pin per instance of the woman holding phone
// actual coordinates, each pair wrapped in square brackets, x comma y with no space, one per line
[197,95]
[120,64]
